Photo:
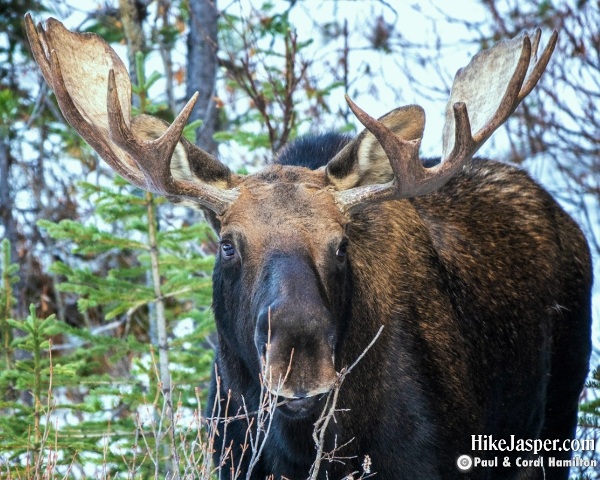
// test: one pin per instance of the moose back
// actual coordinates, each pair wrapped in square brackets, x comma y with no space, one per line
[480,280]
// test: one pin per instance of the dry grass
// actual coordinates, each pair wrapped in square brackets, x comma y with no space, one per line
[177,443]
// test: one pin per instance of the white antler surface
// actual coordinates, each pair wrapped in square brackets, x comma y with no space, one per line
[493,84]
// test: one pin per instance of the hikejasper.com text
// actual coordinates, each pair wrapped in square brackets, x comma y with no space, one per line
[487,443]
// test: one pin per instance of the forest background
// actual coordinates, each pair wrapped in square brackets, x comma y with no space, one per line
[96,275]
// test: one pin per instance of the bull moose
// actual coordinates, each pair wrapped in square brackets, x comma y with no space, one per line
[480,280]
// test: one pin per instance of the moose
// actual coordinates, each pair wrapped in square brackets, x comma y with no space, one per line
[460,284]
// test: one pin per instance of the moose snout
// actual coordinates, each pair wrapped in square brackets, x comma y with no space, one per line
[296,353]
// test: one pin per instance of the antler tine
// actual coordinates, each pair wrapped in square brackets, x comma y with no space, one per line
[535,41]
[153,157]
[540,66]
[464,147]
[36,36]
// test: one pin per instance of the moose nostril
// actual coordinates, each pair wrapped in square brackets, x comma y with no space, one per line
[265,318]
[262,333]
[300,393]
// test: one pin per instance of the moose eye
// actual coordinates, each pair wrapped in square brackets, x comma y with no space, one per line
[227,249]
[342,249]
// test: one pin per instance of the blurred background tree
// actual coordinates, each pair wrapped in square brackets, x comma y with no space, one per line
[266,74]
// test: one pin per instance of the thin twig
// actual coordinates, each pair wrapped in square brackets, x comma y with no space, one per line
[329,411]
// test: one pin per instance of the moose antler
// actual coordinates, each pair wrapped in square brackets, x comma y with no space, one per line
[484,94]
[93,90]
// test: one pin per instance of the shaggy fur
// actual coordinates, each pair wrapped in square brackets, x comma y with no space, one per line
[483,288]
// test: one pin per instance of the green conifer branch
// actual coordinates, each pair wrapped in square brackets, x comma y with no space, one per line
[6,298]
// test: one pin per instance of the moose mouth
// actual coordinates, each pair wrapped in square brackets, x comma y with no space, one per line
[299,407]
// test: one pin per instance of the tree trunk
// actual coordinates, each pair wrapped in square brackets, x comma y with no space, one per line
[8,222]
[6,205]
[202,69]
[134,36]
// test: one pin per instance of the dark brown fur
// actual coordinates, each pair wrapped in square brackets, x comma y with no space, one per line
[483,288]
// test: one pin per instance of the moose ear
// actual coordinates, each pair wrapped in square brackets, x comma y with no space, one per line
[363,161]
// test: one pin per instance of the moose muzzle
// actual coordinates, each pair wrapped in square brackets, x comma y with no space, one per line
[295,333]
